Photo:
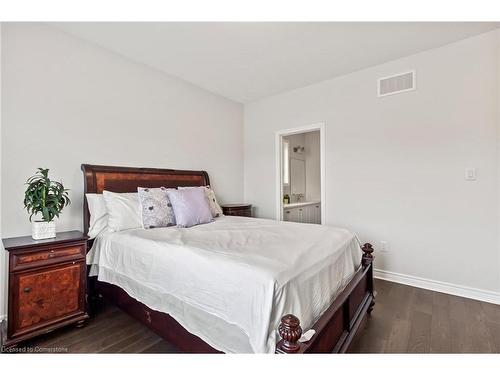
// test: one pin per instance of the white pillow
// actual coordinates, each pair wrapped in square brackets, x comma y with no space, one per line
[98,214]
[123,210]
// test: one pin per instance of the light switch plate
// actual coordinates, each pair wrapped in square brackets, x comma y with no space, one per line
[470,174]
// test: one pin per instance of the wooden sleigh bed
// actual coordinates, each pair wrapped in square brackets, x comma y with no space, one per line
[335,329]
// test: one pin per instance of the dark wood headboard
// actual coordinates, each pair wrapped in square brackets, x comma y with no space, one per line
[126,180]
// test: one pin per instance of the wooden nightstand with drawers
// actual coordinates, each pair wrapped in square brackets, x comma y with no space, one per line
[237,209]
[47,284]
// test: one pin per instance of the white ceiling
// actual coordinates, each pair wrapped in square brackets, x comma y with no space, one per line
[248,61]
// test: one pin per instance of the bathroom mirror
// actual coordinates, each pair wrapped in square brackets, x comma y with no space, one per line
[297,176]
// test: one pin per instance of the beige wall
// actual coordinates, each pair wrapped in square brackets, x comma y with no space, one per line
[395,165]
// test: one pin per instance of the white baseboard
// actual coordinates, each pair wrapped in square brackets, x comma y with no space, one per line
[439,286]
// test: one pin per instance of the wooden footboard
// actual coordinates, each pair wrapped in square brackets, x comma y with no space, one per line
[336,328]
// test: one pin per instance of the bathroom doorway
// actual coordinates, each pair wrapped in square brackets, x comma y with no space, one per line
[300,193]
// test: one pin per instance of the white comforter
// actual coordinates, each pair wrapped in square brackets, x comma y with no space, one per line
[230,281]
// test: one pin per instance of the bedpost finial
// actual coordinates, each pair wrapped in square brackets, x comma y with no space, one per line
[367,254]
[290,331]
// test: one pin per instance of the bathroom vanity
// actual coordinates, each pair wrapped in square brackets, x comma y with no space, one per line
[303,212]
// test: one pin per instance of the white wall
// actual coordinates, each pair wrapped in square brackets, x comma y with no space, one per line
[68,102]
[395,165]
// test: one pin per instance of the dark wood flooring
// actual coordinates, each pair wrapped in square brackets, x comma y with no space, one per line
[109,331]
[413,320]
[405,320]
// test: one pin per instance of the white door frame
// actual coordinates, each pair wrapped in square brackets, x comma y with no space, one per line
[278,153]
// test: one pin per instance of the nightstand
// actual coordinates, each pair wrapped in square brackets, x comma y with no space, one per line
[238,209]
[47,284]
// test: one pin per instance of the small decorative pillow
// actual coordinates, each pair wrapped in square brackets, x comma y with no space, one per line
[156,209]
[190,207]
[215,208]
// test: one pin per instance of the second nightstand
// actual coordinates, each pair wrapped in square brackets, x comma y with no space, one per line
[238,209]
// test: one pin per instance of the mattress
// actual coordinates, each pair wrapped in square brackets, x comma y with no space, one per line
[230,281]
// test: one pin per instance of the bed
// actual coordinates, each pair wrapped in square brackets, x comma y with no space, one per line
[236,285]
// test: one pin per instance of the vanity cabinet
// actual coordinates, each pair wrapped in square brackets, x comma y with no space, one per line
[291,214]
[306,213]
[313,214]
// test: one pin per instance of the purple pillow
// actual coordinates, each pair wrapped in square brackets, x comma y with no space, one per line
[190,207]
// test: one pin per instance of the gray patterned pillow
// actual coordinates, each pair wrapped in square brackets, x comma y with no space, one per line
[156,210]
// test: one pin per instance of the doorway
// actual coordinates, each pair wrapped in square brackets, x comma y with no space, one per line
[300,174]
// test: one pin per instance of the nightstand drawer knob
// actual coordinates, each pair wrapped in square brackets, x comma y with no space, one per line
[27,289]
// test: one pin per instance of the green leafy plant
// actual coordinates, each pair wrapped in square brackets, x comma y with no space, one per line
[44,196]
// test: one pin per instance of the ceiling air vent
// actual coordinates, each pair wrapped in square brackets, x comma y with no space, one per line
[396,84]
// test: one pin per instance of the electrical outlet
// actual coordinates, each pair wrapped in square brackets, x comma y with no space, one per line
[384,248]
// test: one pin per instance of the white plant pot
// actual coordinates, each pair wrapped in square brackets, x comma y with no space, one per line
[42,229]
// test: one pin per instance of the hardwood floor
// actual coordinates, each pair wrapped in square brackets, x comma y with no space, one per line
[405,320]
[413,320]
[110,331]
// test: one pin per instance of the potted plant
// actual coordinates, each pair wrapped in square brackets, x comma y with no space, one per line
[46,198]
